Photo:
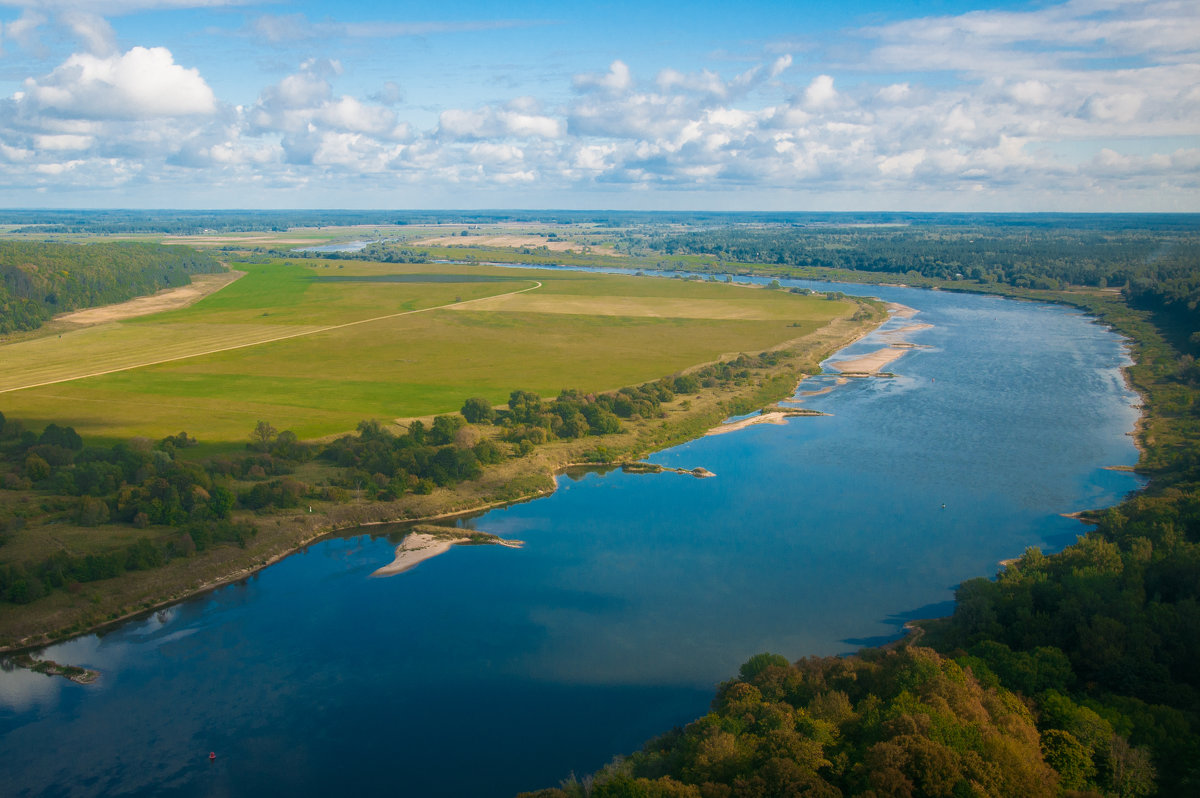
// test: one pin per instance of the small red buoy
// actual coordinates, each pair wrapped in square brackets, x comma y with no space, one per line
[212,755]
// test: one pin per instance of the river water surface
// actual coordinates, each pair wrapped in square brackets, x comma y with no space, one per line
[490,670]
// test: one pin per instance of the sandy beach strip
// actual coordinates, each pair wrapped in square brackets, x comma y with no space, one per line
[871,363]
[901,311]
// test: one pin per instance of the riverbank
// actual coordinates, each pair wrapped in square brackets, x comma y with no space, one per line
[101,604]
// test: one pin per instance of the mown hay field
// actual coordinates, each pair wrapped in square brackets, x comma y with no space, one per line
[316,346]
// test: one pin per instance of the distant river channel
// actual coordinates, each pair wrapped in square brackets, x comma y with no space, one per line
[490,670]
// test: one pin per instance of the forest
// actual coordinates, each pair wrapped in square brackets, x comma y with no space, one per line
[41,280]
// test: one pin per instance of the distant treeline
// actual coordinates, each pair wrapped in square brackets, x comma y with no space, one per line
[181,222]
[376,252]
[38,280]
[1033,257]
[1157,266]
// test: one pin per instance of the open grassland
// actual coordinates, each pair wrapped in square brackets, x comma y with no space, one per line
[316,347]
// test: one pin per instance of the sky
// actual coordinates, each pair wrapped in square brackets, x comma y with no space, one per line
[924,105]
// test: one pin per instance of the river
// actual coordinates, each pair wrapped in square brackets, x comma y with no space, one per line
[490,670]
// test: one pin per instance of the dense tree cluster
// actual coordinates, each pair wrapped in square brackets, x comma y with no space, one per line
[375,252]
[897,723]
[140,483]
[386,465]
[1108,628]
[40,280]
[529,420]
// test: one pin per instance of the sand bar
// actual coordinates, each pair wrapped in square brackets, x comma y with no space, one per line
[908,328]
[414,550]
[764,418]
[901,311]
[417,547]
[168,299]
[869,364]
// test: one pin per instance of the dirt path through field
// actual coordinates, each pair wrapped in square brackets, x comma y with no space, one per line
[289,336]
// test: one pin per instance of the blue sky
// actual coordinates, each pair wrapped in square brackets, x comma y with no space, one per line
[1086,105]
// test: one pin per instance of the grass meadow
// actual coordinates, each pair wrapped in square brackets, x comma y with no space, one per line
[316,346]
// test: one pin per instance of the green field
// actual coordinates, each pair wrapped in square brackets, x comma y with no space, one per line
[317,346]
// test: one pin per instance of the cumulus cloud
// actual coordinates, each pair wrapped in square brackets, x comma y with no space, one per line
[519,119]
[820,93]
[617,79]
[142,83]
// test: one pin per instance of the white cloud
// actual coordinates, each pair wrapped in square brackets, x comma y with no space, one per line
[141,84]
[781,65]
[520,119]
[895,92]
[94,31]
[617,79]
[820,93]
[63,141]
[705,82]
[23,29]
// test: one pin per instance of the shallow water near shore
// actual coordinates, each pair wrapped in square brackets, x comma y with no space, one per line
[489,670]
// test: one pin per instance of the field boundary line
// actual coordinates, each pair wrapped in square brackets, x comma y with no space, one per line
[537,284]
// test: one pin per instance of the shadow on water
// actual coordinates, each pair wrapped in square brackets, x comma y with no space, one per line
[938,609]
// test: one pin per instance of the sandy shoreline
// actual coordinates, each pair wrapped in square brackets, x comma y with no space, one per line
[874,362]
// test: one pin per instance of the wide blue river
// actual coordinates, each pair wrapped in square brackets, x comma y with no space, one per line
[490,670]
